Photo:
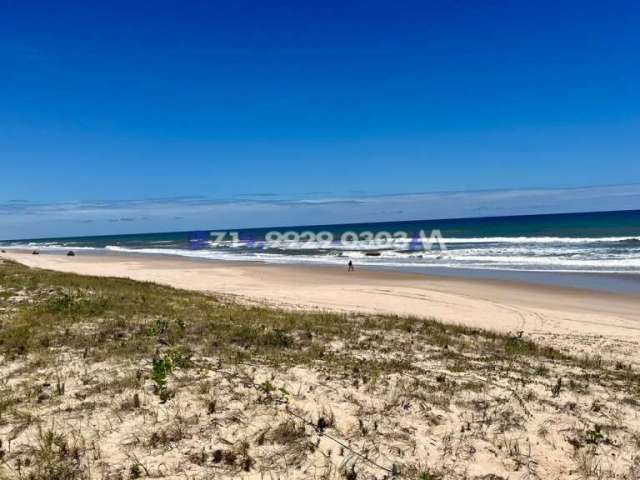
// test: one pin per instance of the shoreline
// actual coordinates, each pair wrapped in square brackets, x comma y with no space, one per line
[569,318]
[484,277]
[627,283]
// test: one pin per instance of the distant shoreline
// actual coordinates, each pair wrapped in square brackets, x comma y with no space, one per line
[485,303]
[597,251]
[621,282]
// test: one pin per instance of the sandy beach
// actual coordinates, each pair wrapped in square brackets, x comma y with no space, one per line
[111,378]
[576,320]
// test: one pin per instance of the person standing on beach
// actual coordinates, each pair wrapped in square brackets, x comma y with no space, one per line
[350,269]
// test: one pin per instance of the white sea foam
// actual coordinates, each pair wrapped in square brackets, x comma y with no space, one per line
[48,246]
[451,259]
[400,242]
[529,240]
[558,254]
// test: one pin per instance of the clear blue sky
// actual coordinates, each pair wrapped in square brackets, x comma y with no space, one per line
[104,101]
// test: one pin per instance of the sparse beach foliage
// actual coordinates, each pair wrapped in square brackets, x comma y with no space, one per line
[112,378]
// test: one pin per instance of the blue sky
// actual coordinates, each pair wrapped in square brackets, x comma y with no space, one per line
[140,104]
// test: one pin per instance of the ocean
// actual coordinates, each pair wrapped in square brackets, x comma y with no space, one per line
[575,243]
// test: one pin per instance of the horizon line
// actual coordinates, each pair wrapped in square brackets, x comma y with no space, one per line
[589,212]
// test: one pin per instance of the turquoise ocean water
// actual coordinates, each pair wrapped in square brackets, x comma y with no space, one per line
[576,243]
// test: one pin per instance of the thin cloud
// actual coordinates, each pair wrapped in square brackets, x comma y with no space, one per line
[23,219]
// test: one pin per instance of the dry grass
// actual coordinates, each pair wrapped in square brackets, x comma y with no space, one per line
[111,378]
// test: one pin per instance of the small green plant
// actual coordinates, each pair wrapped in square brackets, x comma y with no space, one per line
[278,339]
[162,367]
[160,327]
[595,435]
[427,475]
[267,387]
[181,357]
[284,393]
[62,302]
[270,392]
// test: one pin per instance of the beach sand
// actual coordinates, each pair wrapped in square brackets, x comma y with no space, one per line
[252,391]
[574,320]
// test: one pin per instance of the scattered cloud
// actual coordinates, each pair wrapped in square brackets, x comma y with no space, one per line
[126,219]
[24,219]
[255,195]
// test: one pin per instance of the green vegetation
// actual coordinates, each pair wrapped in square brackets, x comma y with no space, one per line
[162,367]
[110,318]
[227,388]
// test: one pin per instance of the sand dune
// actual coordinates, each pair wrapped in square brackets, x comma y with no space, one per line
[572,319]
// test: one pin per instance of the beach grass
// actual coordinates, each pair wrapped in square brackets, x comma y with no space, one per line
[114,378]
[82,312]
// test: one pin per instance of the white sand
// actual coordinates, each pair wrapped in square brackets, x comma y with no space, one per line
[516,428]
[573,319]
